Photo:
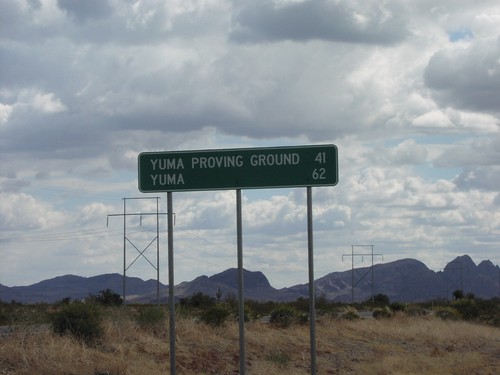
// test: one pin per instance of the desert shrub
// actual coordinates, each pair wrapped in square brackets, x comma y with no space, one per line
[468,309]
[414,310]
[107,297]
[447,313]
[382,312]
[470,295]
[301,304]
[494,321]
[458,294]
[197,300]
[17,314]
[380,299]
[4,318]
[397,306]
[322,304]
[283,316]
[259,308]
[151,317]
[216,316]
[489,311]
[82,320]
[302,318]
[65,301]
[349,313]
[234,310]
[9,313]
[231,300]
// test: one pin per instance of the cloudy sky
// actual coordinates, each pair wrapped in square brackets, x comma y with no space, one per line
[409,91]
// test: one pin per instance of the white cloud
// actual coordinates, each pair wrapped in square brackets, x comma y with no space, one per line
[476,153]
[486,25]
[408,92]
[23,212]
[433,119]
[94,212]
[48,103]
[5,112]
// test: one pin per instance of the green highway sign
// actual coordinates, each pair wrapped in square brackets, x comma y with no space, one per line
[243,168]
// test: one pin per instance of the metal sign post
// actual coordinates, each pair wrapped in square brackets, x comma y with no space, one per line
[312,294]
[247,168]
[171,301]
[241,297]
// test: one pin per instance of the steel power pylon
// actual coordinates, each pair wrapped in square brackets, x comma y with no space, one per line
[362,276]
[454,282]
[126,240]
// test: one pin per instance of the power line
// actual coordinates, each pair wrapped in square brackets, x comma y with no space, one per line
[62,236]
[66,236]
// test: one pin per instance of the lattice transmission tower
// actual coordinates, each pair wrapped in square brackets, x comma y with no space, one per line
[357,273]
[140,253]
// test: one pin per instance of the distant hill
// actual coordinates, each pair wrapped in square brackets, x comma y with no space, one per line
[402,280]
[405,280]
[256,285]
[75,287]
[482,280]
[409,280]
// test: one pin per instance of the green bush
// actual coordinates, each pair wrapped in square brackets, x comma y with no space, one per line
[349,313]
[494,321]
[414,310]
[447,313]
[4,318]
[82,320]
[397,306]
[302,318]
[258,309]
[467,308]
[283,316]
[17,314]
[382,312]
[216,316]
[107,297]
[151,316]
[198,300]
[489,311]
[381,299]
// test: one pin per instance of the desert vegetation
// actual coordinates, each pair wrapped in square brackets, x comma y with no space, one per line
[100,337]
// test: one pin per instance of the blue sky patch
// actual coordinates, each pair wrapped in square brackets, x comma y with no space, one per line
[460,34]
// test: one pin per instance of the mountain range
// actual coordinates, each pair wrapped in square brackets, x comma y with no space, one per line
[405,280]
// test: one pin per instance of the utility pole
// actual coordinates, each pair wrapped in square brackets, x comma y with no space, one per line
[126,240]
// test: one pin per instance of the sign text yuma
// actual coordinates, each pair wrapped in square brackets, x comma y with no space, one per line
[238,168]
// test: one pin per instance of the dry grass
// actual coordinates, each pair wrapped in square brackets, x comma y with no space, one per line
[405,345]
[400,345]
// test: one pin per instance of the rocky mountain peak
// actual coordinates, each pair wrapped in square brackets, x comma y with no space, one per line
[252,279]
